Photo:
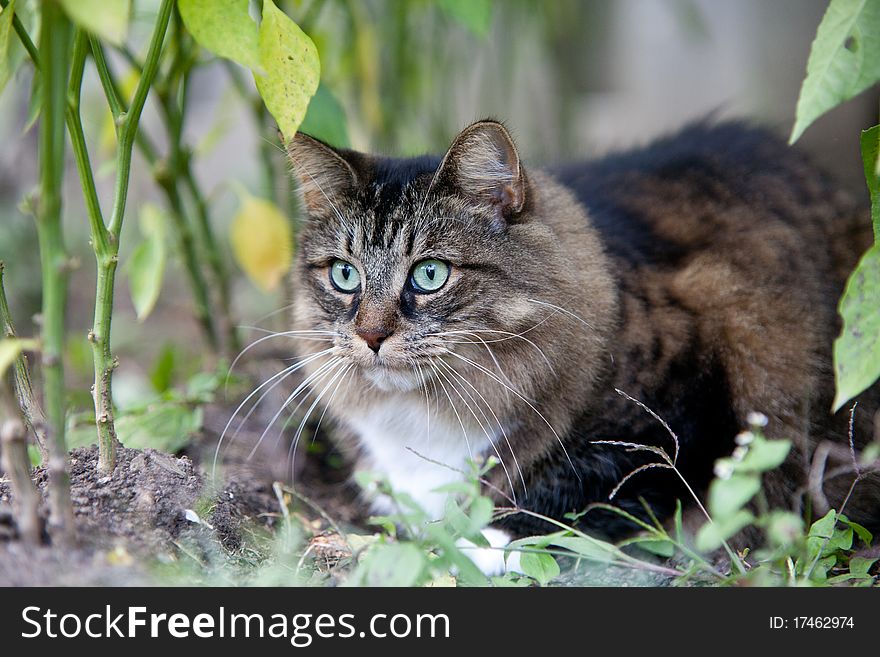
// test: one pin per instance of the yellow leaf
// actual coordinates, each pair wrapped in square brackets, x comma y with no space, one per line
[291,69]
[10,348]
[262,242]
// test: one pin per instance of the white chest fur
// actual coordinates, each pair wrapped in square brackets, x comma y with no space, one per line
[418,450]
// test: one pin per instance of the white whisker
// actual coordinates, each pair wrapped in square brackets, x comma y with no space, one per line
[283,374]
[491,441]
[316,375]
[530,405]
[455,410]
[291,452]
[497,421]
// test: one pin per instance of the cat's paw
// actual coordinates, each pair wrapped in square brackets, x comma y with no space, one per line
[490,560]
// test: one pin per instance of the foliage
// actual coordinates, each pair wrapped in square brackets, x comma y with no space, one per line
[146,264]
[262,241]
[844,61]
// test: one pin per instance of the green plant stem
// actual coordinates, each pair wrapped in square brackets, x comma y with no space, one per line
[31,410]
[172,95]
[105,238]
[53,58]
[168,174]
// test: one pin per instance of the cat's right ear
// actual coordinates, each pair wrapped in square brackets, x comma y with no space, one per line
[322,174]
[483,167]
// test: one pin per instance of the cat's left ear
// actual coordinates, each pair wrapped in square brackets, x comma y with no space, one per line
[483,166]
[323,174]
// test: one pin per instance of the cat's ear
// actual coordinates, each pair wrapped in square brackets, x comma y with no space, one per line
[322,174]
[483,166]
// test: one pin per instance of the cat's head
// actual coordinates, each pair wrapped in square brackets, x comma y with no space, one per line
[404,262]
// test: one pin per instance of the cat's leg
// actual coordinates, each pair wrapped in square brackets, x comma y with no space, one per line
[771,344]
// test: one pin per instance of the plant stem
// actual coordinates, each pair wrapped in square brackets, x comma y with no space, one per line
[105,239]
[167,174]
[31,411]
[172,96]
[13,449]
[55,39]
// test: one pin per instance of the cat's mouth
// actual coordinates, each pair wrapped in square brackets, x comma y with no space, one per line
[390,377]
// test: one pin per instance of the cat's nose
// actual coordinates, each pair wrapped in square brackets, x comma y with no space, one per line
[374,337]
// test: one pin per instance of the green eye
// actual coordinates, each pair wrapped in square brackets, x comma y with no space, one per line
[429,275]
[344,276]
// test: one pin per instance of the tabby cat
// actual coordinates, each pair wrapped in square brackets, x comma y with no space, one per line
[458,307]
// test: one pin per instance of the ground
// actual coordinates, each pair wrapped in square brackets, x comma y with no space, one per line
[159,509]
[166,519]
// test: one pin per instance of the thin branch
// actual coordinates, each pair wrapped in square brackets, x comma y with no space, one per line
[31,410]
[17,466]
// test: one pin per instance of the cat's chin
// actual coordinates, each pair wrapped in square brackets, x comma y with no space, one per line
[392,380]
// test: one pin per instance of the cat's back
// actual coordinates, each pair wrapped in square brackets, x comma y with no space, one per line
[730,189]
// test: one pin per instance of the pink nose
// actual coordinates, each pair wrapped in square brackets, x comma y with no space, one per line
[374,337]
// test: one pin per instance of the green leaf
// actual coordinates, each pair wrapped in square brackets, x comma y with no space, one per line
[224,27]
[166,427]
[678,522]
[292,70]
[106,19]
[844,59]
[587,548]
[146,265]
[393,564]
[6,69]
[660,547]
[862,532]
[476,15]
[467,526]
[728,496]
[325,119]
[825,539]
[10,349]
[859,566]
[857,349]
[870,141]
[162,374]
[35,102]
[540,566]
[824,526]
[782,527]
[763,455]
[713,534]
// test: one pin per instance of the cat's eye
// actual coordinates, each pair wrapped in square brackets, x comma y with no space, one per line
[344,276]
[429,275]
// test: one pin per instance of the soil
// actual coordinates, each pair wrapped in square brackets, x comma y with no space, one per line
[157,508]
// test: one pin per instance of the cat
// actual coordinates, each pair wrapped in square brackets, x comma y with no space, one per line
[459,307]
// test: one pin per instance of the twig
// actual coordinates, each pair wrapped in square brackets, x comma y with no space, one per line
[31,410]
[859,475]
[671,464]
[18,468]
[314,505]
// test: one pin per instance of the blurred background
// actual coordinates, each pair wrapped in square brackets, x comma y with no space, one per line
[572,78]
